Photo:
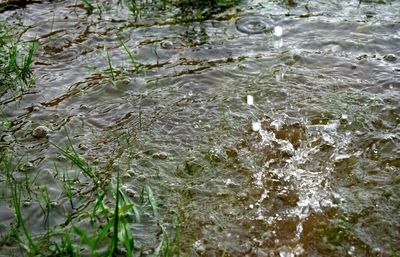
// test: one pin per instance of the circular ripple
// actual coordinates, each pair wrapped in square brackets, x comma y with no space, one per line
[254,24]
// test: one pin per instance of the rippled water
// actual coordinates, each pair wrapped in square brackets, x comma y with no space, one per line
[265,130]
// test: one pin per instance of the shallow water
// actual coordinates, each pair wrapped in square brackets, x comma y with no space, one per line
[264,130]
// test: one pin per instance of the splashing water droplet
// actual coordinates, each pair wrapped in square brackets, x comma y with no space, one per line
[250,100]
[256,126]
[298,250]
[285,251]
[278,31]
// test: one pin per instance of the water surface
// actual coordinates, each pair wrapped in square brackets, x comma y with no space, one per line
[264,130]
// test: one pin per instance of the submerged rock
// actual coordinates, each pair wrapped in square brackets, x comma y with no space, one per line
[40,132]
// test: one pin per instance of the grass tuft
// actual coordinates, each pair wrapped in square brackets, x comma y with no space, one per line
[16,190]
[70,153]
[15,68]
[110,65]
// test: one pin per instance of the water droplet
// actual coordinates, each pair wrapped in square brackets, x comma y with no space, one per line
[256,126]
[278,31]
[250,100]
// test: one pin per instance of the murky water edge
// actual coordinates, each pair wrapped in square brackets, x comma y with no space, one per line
[263,131]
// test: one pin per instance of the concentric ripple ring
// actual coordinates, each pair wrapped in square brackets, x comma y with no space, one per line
[254,24]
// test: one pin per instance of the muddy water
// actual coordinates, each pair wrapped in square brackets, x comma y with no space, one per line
[264,130]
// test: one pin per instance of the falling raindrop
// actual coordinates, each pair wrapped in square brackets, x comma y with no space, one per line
[256,126]
[278,31]
[250,100]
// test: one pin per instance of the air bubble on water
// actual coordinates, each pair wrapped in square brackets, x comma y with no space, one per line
[251,206]
[285,251]
[298,250]
[250,100]
[199,246]
[256,126]
[270,220]
[351,251]
[377,251]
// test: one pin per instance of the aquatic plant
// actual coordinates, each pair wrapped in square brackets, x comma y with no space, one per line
[110,217]
[7,165]
[70,153]
[110,65]
[88,6]
[198,10]
[15,67]
[135,63]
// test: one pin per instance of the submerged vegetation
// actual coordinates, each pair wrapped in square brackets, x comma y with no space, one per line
[97,222]
[16,59]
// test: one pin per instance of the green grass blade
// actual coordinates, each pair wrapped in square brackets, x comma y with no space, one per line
[28,60]
[73,156]
[152,201]
[128,52]
[83,236]
[127,237]
[110,65]
[103,233]
[114,243]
